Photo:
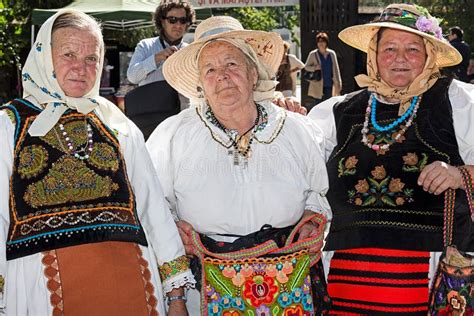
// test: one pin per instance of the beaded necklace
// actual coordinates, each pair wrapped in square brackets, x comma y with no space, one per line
[241,144]
[86,149]
[370,113]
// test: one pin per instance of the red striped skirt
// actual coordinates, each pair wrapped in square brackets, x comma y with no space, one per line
[379,281]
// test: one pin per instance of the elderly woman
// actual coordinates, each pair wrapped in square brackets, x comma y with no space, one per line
[392,150]
[83,219]
[237,167]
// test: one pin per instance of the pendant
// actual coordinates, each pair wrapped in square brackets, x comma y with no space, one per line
[243,142]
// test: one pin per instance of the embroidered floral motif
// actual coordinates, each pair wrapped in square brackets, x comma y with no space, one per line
[68,180]
[39,46]
[76,130]
[411,163]
[259,286]
[11,115]
[348,167]
[2,283]
[379,190]
[380,138]
[174,267]
[103,156]
[32,161]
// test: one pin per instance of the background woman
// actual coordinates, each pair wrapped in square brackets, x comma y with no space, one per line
[236,162]
[324,59]
[83,220]
[392,150]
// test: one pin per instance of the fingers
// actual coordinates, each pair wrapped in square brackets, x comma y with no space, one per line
[184,230]
[438,176]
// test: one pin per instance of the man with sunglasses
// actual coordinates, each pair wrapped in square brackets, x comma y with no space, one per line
[172,19]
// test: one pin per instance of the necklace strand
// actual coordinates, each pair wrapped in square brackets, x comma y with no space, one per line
[86,150]
[370,116]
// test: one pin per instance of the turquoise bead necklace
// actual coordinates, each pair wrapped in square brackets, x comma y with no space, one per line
[396,122]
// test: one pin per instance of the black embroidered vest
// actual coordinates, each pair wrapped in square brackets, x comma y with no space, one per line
[375,199]
[59,200]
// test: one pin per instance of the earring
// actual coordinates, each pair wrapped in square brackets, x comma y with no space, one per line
[200,92]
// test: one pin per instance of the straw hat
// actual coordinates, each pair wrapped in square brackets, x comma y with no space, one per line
[406,17]
[181,69]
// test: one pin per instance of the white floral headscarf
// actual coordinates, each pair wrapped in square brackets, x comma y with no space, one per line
[42,88]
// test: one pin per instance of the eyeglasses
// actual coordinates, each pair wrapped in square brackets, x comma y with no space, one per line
[174,19]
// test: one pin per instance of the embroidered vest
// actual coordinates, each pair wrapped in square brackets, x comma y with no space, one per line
[375,198]
[58,200]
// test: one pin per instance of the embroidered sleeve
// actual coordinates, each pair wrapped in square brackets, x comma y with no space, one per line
[176,273]
[2,284]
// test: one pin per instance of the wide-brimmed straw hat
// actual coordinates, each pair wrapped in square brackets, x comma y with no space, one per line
[181,69]
[406,17]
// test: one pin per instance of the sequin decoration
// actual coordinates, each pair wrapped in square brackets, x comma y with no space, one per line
[104,157]
[68,180]
[76,131]
[32,161]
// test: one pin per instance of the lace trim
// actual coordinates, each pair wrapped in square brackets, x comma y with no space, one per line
[185,279]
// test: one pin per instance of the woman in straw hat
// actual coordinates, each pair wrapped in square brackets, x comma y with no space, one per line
[236,164]
[83,219]
[392,151]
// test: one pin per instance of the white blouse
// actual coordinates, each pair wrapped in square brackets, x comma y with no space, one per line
[285,175]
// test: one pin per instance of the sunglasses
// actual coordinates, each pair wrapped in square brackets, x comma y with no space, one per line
[174,20]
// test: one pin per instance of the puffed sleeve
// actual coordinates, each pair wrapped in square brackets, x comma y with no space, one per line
[7,132]
[461,96]
[316,171]
[162,233]
[141,63]
[323,116]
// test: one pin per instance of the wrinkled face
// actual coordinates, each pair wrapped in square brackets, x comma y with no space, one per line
[401,57]
[76,55]
[225,75]
[174,31]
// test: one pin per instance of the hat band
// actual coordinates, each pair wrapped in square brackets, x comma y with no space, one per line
[426,24]
[215,31]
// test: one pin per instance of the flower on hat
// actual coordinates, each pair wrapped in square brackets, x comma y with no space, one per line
[424,22]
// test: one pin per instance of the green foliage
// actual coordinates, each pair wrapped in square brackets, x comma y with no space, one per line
[262,19]
[129,38]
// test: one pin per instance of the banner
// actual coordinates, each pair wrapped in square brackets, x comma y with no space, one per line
[241,3]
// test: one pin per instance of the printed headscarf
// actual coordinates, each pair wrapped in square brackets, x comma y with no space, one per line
[425,80]
[42,88]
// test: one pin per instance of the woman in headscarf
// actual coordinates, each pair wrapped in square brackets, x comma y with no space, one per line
[84,225]
[239,170]
[392,151]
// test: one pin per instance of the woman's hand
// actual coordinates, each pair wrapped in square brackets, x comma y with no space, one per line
[309,229]
[185,229]
[438,176]
[177,308]
[291,104]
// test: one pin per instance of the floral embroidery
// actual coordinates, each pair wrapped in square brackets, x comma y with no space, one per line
[380,138]
[32,161]
[260,290]
[68,180]
[348,167]
[411,163]
[379,190]
[174,267]
[39,46]
[103,156]
[76,130]
[259,286]
[2,284]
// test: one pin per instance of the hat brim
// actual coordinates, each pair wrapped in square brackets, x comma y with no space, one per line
[359,36]
[181,69]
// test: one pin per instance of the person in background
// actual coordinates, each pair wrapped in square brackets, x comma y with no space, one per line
[84,226]
[324,59]
[455,37]
[172,19]
[392,149]
[286,75]
[236,168]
